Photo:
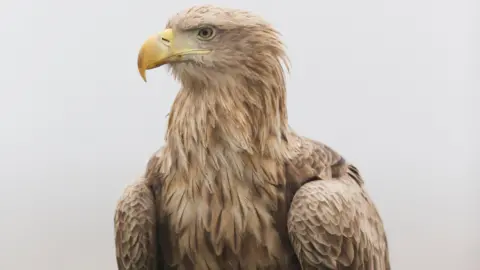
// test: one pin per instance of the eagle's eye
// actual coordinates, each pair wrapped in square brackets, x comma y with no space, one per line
[206,33]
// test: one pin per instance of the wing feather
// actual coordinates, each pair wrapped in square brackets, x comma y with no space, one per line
[332,222]
[135,229]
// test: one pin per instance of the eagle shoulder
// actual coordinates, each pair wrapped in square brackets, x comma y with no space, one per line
[136,224]
[332,223]
[135,228]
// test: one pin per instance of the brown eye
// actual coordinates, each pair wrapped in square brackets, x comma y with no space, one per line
[206,33]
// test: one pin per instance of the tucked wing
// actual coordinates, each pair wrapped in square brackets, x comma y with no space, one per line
[332,222]
[135,229]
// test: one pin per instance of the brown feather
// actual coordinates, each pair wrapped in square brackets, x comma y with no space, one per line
[234,187]
[135,229]
[332,222]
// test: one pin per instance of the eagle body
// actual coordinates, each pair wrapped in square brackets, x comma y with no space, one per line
[231,222]
[234,187]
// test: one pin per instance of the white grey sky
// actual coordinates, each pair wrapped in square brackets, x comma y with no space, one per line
[389,84]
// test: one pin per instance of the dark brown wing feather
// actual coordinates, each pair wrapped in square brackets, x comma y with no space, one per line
[135,229]
[332,222]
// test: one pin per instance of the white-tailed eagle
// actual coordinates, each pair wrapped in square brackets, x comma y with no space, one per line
[234,187]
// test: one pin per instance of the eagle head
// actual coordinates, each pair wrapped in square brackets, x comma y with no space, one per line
[208,42]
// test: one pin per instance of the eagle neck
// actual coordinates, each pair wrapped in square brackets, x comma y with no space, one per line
[223,172]
[234,117]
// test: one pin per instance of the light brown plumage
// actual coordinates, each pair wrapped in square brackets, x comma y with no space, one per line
[135,228]
[234,187]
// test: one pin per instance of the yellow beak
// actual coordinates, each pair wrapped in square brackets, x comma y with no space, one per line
[161,49]
[154,52]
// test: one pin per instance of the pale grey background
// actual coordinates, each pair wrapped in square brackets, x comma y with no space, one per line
[390,84]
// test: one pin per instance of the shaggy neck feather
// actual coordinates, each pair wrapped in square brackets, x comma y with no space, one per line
[223,169]
[232,116]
